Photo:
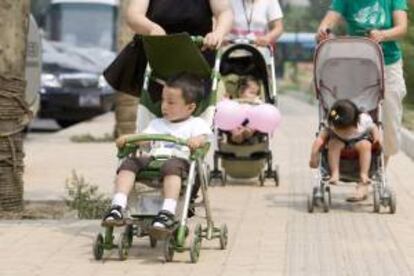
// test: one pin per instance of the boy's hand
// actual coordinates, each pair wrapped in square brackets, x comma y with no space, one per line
[120,142]
[195,142]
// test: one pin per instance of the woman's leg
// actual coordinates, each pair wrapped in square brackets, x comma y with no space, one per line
[334,152]
[395,90]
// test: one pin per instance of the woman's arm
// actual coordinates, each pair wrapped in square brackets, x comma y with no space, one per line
[138,21]
[398,31]
[223,16]
[331,20]
[275,31]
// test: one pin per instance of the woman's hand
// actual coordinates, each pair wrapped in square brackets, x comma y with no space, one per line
[263,41]
[157,30]
[377,35]
[213,40]
[322,34]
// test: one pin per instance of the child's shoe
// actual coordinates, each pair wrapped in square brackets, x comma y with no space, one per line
[163,225]
[114,217]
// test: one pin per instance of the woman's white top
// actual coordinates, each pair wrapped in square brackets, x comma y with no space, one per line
[252,17]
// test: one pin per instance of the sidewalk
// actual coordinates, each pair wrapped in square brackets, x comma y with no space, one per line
[270,231]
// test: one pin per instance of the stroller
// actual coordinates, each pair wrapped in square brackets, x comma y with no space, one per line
[350,68]
[183,55]
[247,160]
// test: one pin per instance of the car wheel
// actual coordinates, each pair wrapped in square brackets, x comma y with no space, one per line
[66,123]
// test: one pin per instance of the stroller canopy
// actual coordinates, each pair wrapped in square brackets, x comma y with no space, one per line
[349,68]
[250,62]
[169,55]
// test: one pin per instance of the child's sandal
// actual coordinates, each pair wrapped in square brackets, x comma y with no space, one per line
[167,223]
[114,217]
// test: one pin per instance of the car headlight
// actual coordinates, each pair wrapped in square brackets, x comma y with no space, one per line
[102,83]
[50,80]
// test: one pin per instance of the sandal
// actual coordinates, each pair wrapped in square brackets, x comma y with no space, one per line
[113,217]
[163,225]
[361,192]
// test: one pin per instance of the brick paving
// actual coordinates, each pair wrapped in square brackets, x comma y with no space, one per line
[270,231]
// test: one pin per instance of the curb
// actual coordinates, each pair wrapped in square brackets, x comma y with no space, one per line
[407,142]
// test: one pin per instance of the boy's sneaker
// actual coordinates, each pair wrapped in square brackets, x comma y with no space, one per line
[163,225]
[113,217]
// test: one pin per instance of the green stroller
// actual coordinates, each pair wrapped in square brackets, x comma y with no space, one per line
[167,55]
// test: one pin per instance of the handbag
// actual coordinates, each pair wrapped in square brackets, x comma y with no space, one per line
[126,72]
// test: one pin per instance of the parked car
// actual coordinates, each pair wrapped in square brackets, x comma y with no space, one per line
[81,39]
[72,86]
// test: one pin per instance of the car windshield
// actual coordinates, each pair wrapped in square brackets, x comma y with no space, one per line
[85,25]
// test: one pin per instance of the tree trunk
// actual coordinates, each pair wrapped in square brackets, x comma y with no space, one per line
[13,109]
[125,105]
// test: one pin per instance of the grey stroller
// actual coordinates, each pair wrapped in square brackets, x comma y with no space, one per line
[350,68]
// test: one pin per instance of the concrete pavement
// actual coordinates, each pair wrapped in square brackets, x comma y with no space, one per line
[270,231]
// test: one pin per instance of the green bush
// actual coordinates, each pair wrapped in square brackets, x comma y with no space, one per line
[85,198]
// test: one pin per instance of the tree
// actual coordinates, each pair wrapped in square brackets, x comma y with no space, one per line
[13,109]
[125,105]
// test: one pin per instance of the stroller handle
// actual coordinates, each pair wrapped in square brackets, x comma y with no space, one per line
[132,142]
[198,40]
[134,139]
[241,40]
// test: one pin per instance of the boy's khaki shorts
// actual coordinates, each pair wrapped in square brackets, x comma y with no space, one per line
[395,90]
[173,166]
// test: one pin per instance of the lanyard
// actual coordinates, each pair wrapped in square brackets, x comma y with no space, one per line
[250,17]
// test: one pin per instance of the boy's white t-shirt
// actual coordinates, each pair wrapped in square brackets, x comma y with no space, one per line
[189,128]
[261,13]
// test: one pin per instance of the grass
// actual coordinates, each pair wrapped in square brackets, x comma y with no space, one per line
[89,138]
[85,198]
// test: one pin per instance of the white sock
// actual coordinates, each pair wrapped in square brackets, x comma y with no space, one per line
[120,199]
[169,204]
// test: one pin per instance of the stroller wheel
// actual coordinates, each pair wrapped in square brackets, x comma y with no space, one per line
[223,236]
[377,200]
[224,178]
[262,179]
[393,202]
[310,201]
[153,242]
[169,245]
[276,177]
[129,232]
[98,247]
[195,249]
[326,201]
[123,247]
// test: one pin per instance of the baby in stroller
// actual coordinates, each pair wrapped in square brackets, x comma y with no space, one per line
[248,92]
[179,98]
[347,127]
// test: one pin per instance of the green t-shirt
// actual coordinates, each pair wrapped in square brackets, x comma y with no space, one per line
[364,15]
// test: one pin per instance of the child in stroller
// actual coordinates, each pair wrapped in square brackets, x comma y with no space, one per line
[248,92]
[179,98]
[347,127]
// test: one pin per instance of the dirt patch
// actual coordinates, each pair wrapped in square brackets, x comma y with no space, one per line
[40,210]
